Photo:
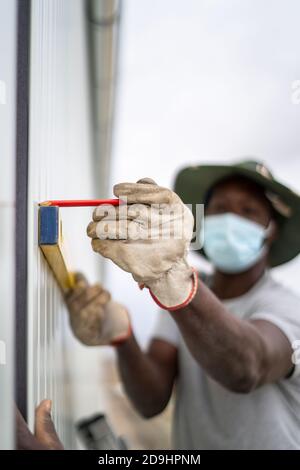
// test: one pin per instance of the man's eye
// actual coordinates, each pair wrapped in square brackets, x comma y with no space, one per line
[249,211]
[219,207]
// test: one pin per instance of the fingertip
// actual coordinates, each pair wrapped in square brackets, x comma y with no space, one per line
[89,229]
[44,407]
[80,280]
[94,216]
[117,189]
[78,276]
[123,189]
[48,406]
[146,181]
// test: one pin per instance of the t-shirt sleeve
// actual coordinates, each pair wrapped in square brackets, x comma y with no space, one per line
[165,328]
[282,308]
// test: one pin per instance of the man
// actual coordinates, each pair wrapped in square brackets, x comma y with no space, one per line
[225,340]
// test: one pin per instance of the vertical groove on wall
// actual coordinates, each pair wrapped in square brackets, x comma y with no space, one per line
[23,39]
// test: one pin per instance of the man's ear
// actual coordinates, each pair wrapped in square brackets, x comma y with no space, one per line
[274,232]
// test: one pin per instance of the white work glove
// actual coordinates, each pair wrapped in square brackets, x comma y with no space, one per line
[94,318]
[149,238]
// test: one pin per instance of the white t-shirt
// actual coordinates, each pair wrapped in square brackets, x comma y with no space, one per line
[207,415]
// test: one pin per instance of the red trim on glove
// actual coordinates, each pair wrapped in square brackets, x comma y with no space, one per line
[186,302]
[122,338]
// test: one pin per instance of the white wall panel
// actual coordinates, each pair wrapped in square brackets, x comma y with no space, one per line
[61,166]
[7,217]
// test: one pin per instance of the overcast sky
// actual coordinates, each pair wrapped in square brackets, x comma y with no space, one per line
[205,81]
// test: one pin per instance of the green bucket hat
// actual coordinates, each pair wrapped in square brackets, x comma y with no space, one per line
[193,183]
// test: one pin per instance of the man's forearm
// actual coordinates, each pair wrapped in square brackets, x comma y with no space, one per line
[228,348]
[144,381]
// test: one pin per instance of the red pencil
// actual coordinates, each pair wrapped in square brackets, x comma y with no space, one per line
[81,202]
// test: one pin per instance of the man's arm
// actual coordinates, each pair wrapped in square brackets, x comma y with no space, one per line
[97,320]
[148,377]
[239,354]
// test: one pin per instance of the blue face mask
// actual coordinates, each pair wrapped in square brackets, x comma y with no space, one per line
[232,243]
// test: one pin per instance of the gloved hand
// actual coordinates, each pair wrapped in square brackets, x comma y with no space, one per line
[94,318]
[149,237]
